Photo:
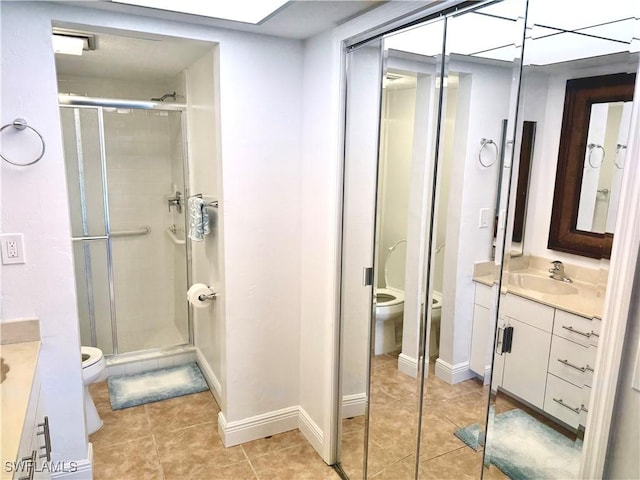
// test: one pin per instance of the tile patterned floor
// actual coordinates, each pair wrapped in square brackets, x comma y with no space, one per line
[393,417]
[177,439]
[393,421]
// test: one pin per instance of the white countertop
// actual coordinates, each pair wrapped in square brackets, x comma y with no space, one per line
[15,390]
[588,302]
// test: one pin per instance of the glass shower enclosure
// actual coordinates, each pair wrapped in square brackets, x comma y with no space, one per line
[126,170]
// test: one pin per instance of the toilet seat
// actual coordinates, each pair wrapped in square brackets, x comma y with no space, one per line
[95,355]
[397,297]
[437,300]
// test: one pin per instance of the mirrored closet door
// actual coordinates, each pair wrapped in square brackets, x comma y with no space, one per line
[485,149]
[578,78]
[430,122]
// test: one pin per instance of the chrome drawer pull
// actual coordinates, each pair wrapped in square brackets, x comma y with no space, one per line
[569,364]
[594,334]
[31,465]
[559,400]
[588,368]
[47,438]
[573,330]
[582,407]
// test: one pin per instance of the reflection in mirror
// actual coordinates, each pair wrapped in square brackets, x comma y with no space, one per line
[480,86]
[524,151]
[364,67]
[550,304]
[602,172]
[407,133]
[525,147]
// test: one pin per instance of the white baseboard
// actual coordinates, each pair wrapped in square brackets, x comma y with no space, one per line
[79,470]
[487,375]
[311,431]
[453,373]
[354,405]
[408,365]
[259,426]
[214,384]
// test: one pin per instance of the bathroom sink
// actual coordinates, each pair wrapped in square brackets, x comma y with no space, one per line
[540,284]
[4,368]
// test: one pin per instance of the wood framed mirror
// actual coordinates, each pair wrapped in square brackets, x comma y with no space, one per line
[579,154]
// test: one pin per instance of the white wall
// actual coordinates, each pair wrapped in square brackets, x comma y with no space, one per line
[482,103]
[34,203]
[261,108]
[320,223]
[396,149]
[624,445]
[205,177]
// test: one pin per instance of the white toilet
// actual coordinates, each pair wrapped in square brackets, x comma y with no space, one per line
[93,370]
[390,302]
[436,315]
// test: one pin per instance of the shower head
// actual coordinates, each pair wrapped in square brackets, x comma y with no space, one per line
[164,97]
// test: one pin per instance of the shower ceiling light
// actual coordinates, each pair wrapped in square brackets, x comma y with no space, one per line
[68,45]
[247,11]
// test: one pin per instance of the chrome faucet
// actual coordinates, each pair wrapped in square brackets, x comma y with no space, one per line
[175,201]
[557,272]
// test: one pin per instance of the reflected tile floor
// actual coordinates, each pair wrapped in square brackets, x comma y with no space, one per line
[177,439]
[393,413]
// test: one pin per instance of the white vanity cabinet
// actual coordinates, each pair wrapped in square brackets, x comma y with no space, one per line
[35,440]
[525,360]
[482,329]
[545,356]
[571,362]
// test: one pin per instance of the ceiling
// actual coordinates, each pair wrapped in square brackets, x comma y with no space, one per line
[133,56]
[557,32]
[297,19]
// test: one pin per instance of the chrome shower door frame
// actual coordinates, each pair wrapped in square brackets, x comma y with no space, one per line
[98,104]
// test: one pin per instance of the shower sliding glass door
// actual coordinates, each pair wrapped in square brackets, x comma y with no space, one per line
[125,178]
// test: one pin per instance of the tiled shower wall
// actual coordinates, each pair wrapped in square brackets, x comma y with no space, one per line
[144,151]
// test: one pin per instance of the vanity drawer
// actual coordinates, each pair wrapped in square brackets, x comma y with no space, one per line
[527,311]
[571,361]
[564,401]
[584,408]
[582,330]
[484,295]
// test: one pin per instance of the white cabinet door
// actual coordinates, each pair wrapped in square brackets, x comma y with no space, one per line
[525,367]
[480,357]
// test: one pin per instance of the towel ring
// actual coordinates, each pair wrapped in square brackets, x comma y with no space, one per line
[619,147]
[483,143]
[21,124]
[592,147]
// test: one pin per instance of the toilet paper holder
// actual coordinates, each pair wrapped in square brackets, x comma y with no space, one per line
[207,296]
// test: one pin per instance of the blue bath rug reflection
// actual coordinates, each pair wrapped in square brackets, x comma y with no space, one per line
[524,448]
[131,390]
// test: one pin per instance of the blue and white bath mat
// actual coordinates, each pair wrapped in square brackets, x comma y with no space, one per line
[131,390]
[524,448]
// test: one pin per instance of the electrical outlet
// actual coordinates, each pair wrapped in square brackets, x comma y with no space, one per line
[12,248]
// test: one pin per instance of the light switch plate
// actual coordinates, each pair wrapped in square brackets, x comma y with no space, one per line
[485,216]
[12,248]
